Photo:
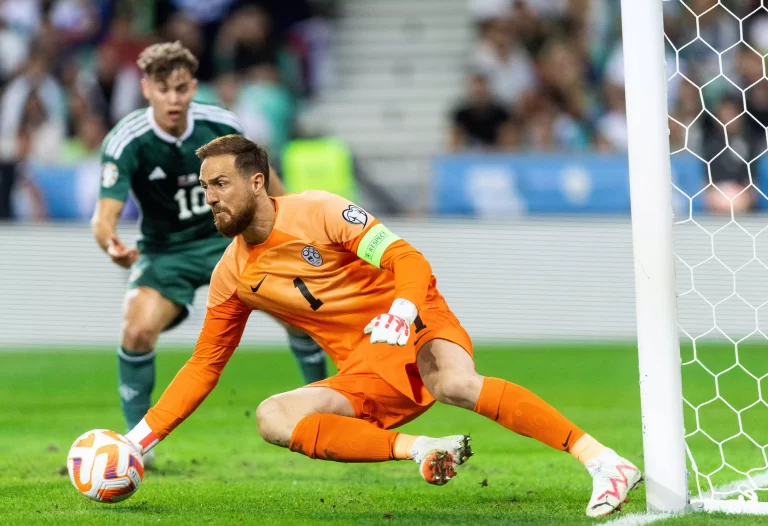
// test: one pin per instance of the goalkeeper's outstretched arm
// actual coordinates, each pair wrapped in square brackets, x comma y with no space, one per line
[223,327]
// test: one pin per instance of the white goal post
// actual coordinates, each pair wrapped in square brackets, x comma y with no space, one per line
[651,199]
[669,456]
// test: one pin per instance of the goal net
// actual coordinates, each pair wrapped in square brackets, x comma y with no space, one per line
[717,97]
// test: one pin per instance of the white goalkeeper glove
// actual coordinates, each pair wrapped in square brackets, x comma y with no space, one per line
[395,326]
[142,437]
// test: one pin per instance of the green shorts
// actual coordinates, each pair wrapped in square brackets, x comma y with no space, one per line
[178,272]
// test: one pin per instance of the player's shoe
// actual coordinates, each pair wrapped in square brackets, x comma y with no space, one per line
[438,457]
[613,477]
[148,459]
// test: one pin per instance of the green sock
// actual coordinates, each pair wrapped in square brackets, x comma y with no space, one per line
[311,357]
[136,374]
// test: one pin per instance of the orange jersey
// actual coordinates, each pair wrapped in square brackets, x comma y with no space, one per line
[308,272]
[328,267]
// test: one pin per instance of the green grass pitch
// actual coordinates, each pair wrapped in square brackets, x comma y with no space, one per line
[215,468]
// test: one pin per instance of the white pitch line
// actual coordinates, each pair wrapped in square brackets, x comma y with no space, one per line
[641,519]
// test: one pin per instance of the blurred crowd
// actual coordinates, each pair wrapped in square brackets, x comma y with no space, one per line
[548,75]
[68,71]
[543,76]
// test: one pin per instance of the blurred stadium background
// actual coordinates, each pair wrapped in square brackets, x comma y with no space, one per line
[490,133]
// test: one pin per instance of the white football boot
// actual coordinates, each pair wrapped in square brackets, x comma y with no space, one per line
[438,457]
[613,477]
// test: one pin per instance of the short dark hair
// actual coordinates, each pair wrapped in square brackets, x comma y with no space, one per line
[160,60]
[249,157]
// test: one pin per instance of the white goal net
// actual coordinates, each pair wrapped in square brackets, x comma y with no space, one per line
[718,111]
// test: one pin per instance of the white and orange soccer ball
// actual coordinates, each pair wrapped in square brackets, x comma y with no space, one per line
[104,466]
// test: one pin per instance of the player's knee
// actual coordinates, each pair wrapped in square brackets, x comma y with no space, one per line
[271,419]
[459,389]
[137,337]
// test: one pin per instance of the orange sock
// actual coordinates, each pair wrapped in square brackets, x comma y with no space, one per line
[521,411]
[343,439]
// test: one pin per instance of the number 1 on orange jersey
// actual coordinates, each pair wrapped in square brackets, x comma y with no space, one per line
[313,301]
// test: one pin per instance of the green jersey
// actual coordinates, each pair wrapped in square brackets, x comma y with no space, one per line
[162,171]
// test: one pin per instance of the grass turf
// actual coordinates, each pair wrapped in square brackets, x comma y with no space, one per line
[215,469]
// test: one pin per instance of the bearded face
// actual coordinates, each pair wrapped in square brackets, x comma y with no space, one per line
[234,198]
[232,220]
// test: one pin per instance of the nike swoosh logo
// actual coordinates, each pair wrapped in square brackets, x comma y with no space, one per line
[256,288]
[567,439]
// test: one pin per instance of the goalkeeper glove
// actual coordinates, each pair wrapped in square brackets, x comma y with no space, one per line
[395,326]
[142,437]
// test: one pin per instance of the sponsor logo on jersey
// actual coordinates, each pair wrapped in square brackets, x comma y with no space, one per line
[312,256]
[355,215]
[108,175]
[157,174]
[188,179]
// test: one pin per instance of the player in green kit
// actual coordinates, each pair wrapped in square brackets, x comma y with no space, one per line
[151,152]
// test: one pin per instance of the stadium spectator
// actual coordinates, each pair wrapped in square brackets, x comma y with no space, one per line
[246,41]
[550,129]
[76,21]
[91,130]
[181,27]
[113,89]
[14,49]
[127,42]
[686,129]
[261,77]
[29,99]
[199,22]
[728,167]
[40,136]
[310,41]
[506,64]
[612,127]
[563,74]
[481,123]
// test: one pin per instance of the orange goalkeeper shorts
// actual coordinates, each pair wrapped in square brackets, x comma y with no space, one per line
[382,382]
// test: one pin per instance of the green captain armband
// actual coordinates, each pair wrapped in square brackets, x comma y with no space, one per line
[374,243]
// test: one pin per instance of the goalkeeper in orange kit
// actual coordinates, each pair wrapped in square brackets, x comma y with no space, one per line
[323,264]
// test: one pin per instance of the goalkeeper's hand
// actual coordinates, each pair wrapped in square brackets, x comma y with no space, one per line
[142,437]
[395,326]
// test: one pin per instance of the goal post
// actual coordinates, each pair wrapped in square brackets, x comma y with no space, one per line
[705,404]
[652,220]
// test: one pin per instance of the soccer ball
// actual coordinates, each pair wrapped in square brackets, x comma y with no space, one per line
[104,466]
